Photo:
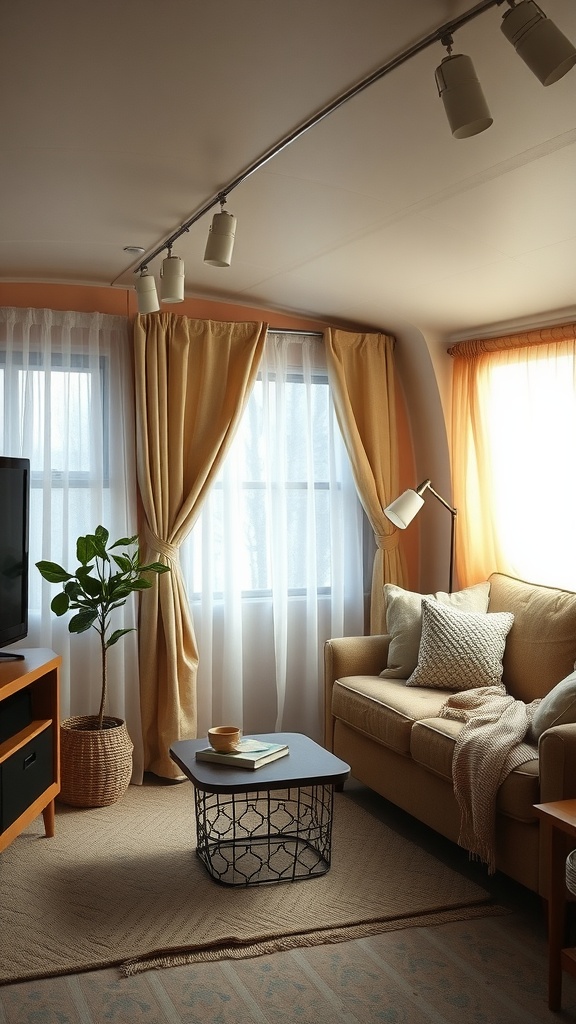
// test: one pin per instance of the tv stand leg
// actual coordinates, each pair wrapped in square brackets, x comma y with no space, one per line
[49,819]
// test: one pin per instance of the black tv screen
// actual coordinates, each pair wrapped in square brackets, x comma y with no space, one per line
[14,528]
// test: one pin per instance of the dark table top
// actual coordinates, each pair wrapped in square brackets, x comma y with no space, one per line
[306,764]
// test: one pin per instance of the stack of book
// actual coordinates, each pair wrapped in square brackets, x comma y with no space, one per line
[250,753]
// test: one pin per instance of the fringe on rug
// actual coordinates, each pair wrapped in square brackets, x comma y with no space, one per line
[161,959]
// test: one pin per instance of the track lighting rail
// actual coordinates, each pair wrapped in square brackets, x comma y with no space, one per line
[412,51]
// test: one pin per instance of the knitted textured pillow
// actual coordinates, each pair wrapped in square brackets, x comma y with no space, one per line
[404,622]
[460,650]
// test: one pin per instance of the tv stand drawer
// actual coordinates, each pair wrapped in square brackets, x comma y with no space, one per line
[24,776]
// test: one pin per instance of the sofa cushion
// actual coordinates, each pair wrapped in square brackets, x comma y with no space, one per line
[383,708]
[460,650]
[557,708]
[404,622]
[432,746]
[541,646]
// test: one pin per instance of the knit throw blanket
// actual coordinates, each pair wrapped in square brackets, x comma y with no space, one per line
[488,748]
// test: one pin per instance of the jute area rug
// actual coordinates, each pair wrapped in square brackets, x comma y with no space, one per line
[123,886]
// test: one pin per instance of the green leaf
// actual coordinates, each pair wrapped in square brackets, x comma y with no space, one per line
[123,563]
[52,572]
[120,589]
[116,636]
[81,622]
[74,590]
[85,549]
[141,585]
[157,567]
[125,542]
[92,586]
[60,604]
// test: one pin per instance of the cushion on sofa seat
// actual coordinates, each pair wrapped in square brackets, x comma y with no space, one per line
[384,708]
[557,708]
[432,746]
[541,646]
[460,650]
[404,622]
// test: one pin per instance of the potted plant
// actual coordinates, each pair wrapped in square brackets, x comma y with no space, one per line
[96,750]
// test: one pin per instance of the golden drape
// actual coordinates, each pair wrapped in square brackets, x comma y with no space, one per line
[193,378]
[478,541]
[361,374]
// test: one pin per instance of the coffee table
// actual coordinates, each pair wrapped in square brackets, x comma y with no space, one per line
[272,824]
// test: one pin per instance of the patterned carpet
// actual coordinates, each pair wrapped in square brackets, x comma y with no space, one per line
[490,970]
[123,882]
[487,971]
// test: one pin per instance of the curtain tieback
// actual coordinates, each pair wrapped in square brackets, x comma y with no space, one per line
[387,541]
[163,547]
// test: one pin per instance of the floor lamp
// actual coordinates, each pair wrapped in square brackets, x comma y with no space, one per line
[402,510]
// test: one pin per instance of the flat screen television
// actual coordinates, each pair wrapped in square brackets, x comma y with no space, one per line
[14,567]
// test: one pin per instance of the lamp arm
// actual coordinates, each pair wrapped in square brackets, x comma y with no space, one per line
[427,486]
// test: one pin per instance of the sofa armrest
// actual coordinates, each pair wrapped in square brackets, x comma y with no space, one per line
[557,763]
[350,656]
[557,768]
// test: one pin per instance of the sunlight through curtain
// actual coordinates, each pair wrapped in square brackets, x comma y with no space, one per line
[273,566]
[66,403]
[514,445]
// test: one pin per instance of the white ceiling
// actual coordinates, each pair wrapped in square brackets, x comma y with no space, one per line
[120,119]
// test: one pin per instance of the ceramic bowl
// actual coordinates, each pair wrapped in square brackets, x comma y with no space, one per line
[224,738]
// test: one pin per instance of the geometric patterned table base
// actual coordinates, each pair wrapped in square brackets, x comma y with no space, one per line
[269,836]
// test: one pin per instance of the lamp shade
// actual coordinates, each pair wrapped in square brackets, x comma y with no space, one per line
[542,46]
[462,96]
[402,510]
[220,241]
[172,283]
[146,293]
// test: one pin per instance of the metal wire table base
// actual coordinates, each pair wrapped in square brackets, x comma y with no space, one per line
[266,836]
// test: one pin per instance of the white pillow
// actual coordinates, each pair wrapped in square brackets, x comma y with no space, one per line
[460,650]
[557,708]
[404,622]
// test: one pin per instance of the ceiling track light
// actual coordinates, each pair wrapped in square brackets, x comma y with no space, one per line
[461,94]
[546,51]
[172,278]
[537,40]
[146,293]
[221,235]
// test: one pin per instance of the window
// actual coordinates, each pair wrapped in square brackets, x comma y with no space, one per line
[292,486]
[273,566]
[514,443]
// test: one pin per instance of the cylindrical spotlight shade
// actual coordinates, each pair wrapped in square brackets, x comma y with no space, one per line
[462,95]
[172,283]
[220,241]
[147,294]
[401,512]
[542,46]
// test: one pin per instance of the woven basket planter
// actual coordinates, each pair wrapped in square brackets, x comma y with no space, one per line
[95,764]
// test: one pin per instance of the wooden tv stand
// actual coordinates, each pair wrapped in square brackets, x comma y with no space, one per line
[39,673]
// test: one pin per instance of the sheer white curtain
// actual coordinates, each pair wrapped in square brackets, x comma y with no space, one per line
[274,563]
[66,403]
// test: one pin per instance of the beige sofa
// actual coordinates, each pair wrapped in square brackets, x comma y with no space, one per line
[395,742]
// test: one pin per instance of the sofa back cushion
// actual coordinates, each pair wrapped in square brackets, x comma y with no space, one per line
[541,646]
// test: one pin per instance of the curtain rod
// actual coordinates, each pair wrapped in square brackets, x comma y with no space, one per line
[307,334]
[355,90]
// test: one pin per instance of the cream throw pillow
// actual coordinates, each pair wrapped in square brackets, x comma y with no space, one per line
[557,708]
[404,622]
[460,650]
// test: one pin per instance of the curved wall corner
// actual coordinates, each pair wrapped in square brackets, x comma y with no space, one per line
[424,373]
